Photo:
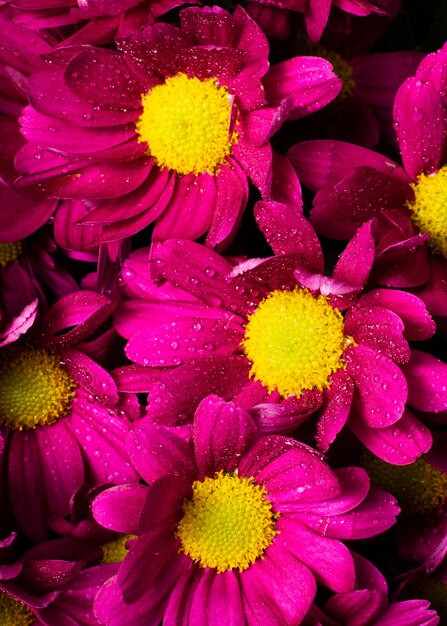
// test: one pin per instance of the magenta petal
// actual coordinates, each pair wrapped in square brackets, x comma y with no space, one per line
[119,508]
[329,560]
[421,124]
[374,374]
[379,329]
[29,214]
[175,398]
[359,607]
[84,76]
[20,324]
[374,515]
[335,410]
[356,260]
[270,588]
[418,324]
[305,83]
[316,17]
[219,597]
[427,382]
[157,450]
[287,231]
[324,162]
[188,214]
[222,432]
[163,503]
[185,339]
[290,471]
[231,200]
[399,444]
[36,468]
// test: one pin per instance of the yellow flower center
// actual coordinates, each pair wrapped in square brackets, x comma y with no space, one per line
[115,551]
[228,524]
[10,252]
[418,487]
[342,69]
[13,612]
[34,389]
[295,341]
[436,593]
[429,208]
[187,124]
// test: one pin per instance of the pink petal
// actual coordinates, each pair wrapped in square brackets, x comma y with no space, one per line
[421,123]
[222,432]
[356,260]
[399,444]
[119,508]
[374,374]
[427,382]
[335,410]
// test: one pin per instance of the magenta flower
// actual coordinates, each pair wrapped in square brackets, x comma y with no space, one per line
[110,126]
[61,416]
[354,184]
[368,604]
[52,584]
[278,336]
[232,526]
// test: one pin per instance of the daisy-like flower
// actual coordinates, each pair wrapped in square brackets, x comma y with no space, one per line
[368,604]
[61,416]
[278,335]
[354,184]
[235,528]
[52,584]
[168,128]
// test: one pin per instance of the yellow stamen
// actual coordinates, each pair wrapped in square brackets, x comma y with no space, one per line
[228,524]
[429,208]
[115,551]
[34,388]
[186,123]
[295,341]
[418,487]
[13,612]
[10,252]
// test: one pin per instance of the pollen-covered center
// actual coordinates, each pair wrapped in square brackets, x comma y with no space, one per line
[34,389]
[228,523]
[187,124]
[115,551]
[429,208]
[13,612]
[10,252]
[419,488]
[295,341]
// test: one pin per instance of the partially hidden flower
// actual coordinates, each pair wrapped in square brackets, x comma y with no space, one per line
[169,127]
[61,416]
[278,336]
[236,528]
[354,184]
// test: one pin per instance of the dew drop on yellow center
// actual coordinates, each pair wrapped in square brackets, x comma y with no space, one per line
[228,524]
[429,208]
[186,123]
[34,388]
[10,252]
[295,341]
[13,612]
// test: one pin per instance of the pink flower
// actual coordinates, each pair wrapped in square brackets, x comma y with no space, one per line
[110,126]
[232,525]
[368,604]
[354,184]
[279,337]
[62,418]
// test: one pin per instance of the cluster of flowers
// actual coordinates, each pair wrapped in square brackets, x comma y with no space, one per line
[221,404]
